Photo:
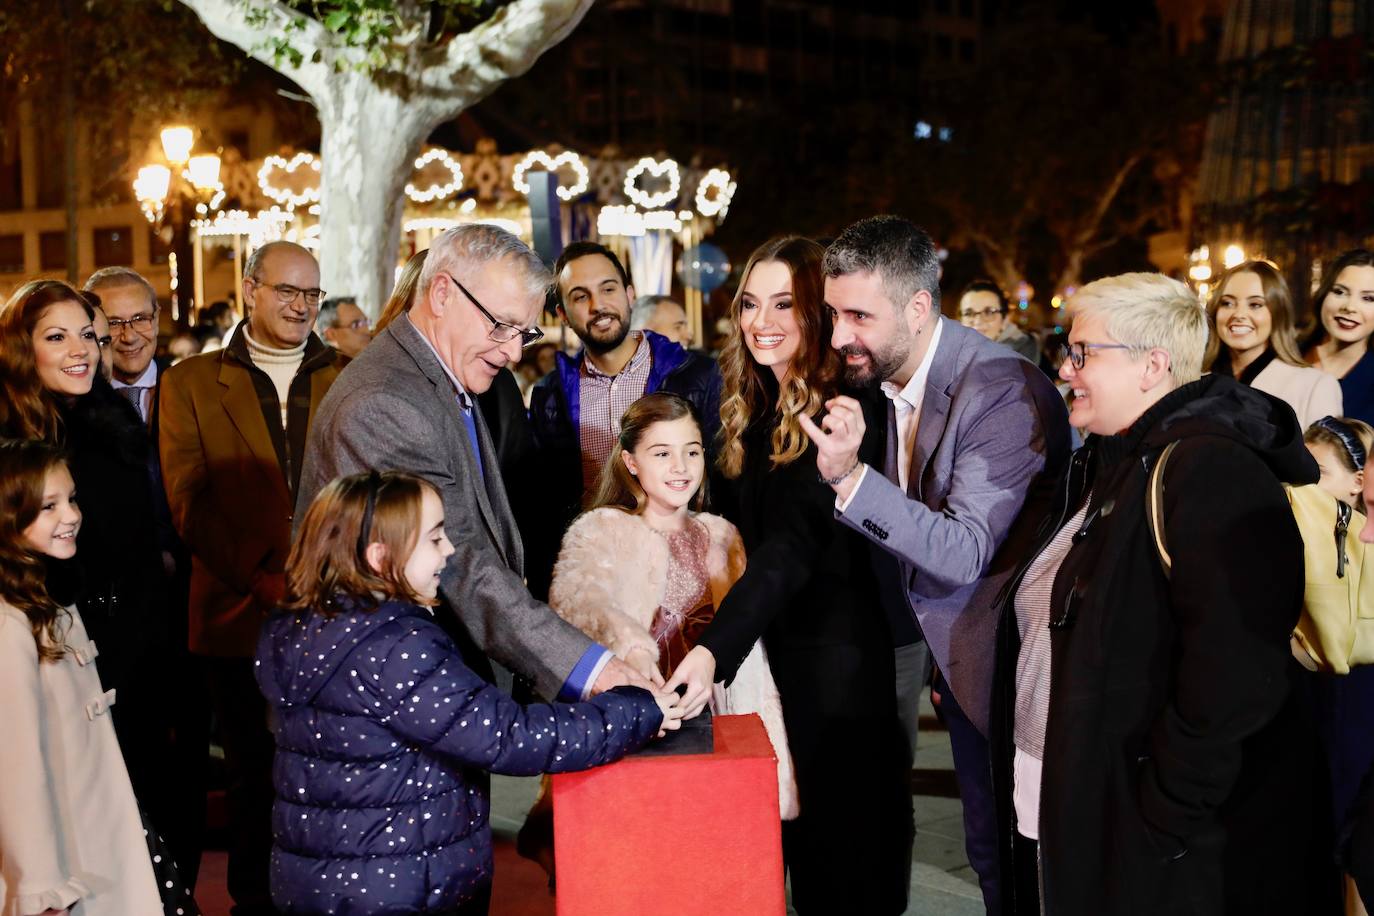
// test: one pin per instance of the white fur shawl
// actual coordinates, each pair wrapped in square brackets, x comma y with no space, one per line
[609,582]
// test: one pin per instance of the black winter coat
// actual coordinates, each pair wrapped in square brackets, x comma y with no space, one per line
[1180,775]
[811,592]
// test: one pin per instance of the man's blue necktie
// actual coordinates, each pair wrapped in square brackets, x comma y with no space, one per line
[471,422]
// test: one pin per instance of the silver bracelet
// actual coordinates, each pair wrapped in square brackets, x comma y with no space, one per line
[834,481]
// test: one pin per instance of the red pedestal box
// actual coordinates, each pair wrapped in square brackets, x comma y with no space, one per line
[682,835]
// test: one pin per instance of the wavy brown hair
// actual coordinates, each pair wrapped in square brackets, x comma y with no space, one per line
[1283,338]
[404,293]
[745,394]
[328,557]
[617,486]
[24,468]
[27,409]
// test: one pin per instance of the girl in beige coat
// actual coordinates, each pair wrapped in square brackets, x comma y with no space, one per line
[71,839]
[642,572]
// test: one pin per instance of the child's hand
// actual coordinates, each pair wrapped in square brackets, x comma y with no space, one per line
[672,712]
[696,672]
[642,660]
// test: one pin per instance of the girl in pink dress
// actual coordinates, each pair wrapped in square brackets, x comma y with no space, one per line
[643,570]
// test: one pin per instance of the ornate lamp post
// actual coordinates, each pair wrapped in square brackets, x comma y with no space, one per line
[172,194]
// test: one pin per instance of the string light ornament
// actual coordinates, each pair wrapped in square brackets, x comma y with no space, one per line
[552,164]
[717,203]
[436,191]
[265,226]
[627,221]
[285,196]
[656,169]
[440,223]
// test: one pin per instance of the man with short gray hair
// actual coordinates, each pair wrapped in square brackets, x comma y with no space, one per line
[971,430]
[344,326]
[406,404]
[662,315]
[130,305]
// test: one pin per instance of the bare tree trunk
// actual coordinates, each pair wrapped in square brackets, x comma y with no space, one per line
[368,140]
[372,125]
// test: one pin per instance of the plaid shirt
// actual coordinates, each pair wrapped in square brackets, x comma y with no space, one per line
[603,401]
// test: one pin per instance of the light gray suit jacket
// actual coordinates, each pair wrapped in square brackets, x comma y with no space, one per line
[992,427]
[394,408]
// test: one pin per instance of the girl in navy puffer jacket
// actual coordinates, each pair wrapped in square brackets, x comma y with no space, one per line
[384,736]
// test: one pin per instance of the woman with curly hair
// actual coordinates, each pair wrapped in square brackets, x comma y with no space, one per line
[809,590]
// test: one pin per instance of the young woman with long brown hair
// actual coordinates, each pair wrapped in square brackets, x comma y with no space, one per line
[1254,340]
[810,593]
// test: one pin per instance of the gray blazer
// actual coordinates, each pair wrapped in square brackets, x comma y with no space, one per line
[992,427]
[394,408]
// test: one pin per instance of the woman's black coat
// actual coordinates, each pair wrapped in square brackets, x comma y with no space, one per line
[1180,774]
[811,593]
[122,593]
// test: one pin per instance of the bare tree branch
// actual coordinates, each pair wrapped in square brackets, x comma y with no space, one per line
[475,63]
[228,20]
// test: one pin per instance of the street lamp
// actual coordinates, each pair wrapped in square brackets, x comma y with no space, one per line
[167,192]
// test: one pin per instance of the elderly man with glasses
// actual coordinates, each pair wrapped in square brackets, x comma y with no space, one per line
[407,403]
[232,428]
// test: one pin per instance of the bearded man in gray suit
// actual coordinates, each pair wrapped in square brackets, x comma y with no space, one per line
[407,403]
[974,434]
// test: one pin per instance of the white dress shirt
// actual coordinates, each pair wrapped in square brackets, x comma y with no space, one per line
[907,402]
[148,382]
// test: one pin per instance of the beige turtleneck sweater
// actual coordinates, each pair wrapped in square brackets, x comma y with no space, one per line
[280,366]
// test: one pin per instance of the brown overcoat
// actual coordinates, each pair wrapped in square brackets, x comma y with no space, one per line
[231,477]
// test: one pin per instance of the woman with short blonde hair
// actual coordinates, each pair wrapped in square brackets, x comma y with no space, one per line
[1153,621]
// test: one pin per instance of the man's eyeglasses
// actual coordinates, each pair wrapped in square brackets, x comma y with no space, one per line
[501,331]
[286,293]
[357,324]
[142,323]
[983,315]
[1078,352]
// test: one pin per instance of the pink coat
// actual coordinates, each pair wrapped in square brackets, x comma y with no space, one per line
[609,582]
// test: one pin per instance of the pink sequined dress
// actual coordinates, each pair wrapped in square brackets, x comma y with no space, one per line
[686,607]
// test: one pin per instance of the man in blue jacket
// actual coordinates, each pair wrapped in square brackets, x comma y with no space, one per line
[575,410]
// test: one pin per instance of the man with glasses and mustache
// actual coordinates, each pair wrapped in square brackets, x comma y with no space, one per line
[232,427]
[575,410]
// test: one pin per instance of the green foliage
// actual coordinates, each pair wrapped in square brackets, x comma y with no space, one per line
[150,57]
[372,27]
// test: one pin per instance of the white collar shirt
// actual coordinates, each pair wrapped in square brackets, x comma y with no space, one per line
[146,382]
[907,403]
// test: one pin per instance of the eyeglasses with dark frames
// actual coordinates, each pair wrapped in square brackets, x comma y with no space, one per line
[501,331]
[286,293]
[142,323]
[1078,352]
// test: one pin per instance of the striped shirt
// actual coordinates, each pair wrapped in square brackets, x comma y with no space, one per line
[603,400]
